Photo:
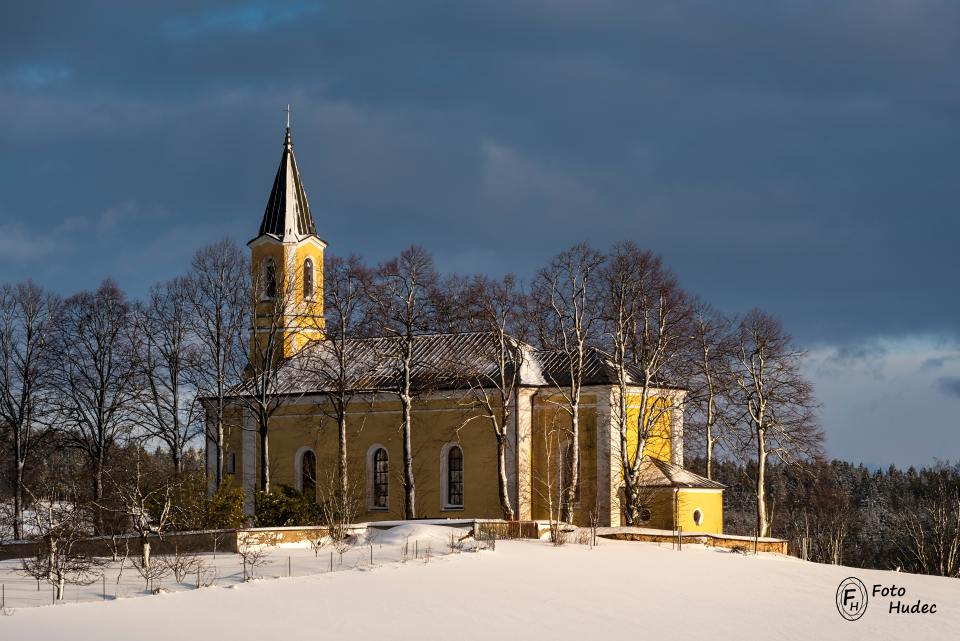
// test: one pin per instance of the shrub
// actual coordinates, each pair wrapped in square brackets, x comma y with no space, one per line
[285,507]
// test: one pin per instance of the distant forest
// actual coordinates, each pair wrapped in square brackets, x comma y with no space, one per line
[841,513]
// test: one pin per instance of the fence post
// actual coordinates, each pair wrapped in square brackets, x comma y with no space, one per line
[371,554]
[331,561]
[3,598]
[680,539]
[104,577]
[289,566]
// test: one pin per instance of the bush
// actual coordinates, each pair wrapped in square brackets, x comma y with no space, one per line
[285,507]
[225,508]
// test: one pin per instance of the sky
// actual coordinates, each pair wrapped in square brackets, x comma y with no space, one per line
[799,157]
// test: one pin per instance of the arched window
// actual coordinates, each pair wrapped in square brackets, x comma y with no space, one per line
[698,516]
[381,479]
[308,474]
[455,477]
[308,287]
[269,278]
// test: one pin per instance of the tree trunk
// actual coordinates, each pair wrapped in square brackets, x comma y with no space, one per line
[219,445]
[570,489]
[710,437]
[342,456]
[763,526]
[98,467]
[60,586]
[410,491]
[505,507]
[18,499]
[145,552]
[264,456]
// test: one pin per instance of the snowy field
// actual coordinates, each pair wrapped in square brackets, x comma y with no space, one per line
[524,589]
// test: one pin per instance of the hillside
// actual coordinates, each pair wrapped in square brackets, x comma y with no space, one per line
[524,589]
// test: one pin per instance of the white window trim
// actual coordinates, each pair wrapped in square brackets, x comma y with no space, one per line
[371,472]
[445,476]
[298,466]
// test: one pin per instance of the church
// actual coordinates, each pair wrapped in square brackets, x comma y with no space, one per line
[454,452]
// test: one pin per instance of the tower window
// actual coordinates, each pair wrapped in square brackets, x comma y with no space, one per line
[381,479]
[308,278]
[269,278]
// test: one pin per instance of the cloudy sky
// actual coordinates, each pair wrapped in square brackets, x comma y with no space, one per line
[801,157]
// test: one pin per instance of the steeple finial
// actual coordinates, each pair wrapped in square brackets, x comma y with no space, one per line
[288,110]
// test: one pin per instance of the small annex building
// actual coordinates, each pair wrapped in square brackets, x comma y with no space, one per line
[455,454]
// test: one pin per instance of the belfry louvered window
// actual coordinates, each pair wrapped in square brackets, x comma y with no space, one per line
[381,478]
[269,278]
[455,477]
[308,279]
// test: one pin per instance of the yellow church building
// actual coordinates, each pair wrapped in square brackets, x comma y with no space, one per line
[455,457]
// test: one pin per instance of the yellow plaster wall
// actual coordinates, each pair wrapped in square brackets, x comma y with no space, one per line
[551,425]
[710,503]
[435,423]
[659,442]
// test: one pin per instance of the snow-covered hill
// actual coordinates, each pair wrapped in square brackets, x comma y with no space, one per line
[524,590]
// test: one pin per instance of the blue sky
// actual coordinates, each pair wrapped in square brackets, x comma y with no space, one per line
[799,157]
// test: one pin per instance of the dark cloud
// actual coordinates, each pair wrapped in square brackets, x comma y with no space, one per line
[949,385]
[799,157]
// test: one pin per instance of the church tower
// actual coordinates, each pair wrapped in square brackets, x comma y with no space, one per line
[287,265]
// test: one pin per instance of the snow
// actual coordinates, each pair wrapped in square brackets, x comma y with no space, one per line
[526,589]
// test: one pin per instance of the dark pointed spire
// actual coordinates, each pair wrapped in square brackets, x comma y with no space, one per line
[287,216]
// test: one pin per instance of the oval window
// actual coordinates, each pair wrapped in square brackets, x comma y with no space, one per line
[698,516]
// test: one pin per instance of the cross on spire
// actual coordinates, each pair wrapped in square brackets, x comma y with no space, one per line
[288,110]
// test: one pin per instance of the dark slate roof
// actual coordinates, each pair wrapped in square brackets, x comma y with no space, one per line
[598,369]
[440,361]
[288,212]
[657,473]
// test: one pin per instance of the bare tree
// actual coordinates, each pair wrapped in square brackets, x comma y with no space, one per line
[496,306]
[218,287]
[95,378]
[932,531]
[564,309]
[648,323]
[401,294]
[169,410]
[28,316]
[59,525]
[775,401]
[711,365]
[277,321]
[146,501]
[341,363]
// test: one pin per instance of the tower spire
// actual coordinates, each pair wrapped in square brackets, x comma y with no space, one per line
[287,215]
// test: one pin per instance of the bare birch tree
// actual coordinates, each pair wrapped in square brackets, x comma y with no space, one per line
[28,316]
[341,363]
[95,379]
[280,321]
[711,380]
[219,290]
[401,294]
[564,307]
[774,399]
[648,323]
[169,410]
[496,307]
